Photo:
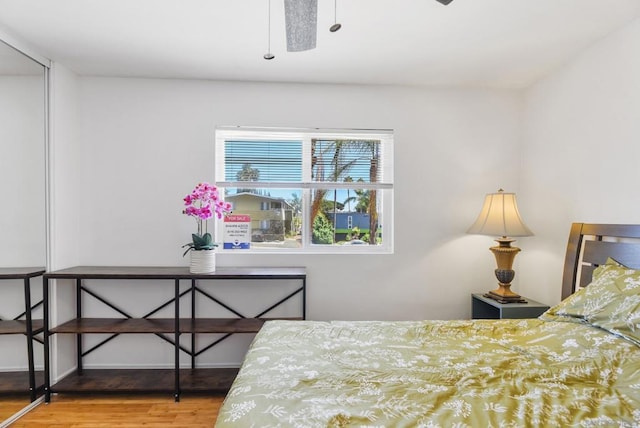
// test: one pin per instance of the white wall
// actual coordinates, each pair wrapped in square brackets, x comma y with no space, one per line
[147,142]
[144,143]
[580,154]
[65,159]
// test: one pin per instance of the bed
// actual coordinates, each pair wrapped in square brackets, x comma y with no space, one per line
[576,365]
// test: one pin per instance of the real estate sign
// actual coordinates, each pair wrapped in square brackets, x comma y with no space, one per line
[237,232]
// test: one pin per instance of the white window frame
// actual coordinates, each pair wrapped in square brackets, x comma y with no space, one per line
[384,188]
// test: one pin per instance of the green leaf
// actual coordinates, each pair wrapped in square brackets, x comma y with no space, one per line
[208,239]
[204,242]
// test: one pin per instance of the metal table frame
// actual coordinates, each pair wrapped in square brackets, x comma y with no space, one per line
[176,274]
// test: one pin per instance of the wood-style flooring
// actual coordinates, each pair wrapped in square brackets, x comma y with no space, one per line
[96,411]
[11,405]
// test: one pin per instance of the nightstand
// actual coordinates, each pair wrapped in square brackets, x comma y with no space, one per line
[486,308]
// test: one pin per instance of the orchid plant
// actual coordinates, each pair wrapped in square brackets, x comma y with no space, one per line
[202,203]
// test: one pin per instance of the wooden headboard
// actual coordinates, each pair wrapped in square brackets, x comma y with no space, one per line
[590,245]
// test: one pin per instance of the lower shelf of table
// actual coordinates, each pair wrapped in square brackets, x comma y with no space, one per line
[162,325]
[199,380]
[17,383]
[20,326]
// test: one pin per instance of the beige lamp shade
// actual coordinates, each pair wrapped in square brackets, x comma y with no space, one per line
[500,217]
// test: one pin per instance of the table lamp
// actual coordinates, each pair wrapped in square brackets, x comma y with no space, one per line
[500,217]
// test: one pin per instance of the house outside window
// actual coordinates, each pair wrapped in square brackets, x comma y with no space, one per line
[309,190]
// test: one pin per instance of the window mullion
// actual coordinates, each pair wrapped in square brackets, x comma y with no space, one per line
[306,218]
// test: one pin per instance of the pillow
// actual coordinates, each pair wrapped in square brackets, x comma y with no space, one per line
[594,297]
[610,302]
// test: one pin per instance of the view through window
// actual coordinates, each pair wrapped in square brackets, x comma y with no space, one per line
[306,190]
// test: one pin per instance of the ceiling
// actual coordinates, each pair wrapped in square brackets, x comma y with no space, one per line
[481,43]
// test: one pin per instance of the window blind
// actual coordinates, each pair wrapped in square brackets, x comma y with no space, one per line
[324,159]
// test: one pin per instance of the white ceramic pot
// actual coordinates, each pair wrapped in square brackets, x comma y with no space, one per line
[202,261]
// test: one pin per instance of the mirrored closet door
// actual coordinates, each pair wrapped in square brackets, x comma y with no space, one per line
[23,86]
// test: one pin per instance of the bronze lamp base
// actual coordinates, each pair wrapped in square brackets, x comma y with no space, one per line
[505,254]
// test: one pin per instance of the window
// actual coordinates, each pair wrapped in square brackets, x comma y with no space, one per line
[309,190]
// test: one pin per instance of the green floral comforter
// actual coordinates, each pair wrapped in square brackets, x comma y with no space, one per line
[481,373]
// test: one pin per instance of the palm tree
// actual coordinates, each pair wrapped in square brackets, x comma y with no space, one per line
[296,205]
[363,200]
[343,155]
[347,202]
[348,179]
[247,173]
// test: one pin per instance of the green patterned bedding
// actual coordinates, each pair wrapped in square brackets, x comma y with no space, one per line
[480,373]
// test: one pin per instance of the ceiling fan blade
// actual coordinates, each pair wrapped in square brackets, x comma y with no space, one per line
[444,2]
[301,21]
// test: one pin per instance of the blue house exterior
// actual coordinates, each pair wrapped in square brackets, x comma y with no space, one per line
[346,221]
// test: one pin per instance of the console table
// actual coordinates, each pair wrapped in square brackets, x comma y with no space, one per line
[18,382]
[168,329]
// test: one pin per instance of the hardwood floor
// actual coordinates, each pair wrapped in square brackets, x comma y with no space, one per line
[11,405]
[74,411]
